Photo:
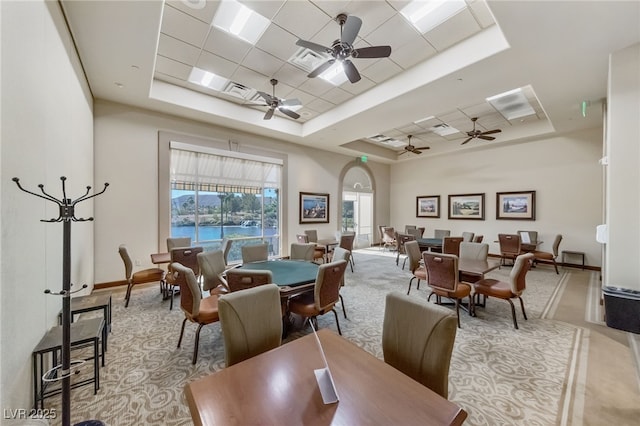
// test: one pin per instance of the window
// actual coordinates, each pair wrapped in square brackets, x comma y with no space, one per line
[218,194]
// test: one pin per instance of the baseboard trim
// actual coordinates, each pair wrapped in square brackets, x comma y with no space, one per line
[99,286]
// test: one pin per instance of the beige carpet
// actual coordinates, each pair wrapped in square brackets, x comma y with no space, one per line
[557,369]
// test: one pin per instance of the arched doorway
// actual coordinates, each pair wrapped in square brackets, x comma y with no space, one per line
[357,203]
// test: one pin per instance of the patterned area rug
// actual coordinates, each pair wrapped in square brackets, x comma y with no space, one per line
[499,375]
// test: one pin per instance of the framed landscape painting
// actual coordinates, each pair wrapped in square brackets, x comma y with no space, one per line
[466,206]
[314,207]
[516,205]
[428,206]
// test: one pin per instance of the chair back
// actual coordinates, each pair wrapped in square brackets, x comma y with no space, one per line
[416,233]
[340,253]
[312,234]
[346,241]
[451,245]
[442,270]
[533,236]
[226,248]
[420,232]
[519,273]
[388,235]
[401,240]
[187,256]
[302,239]
[441,233]
[212,267]
[409,228]
[242,279]
[251,322]
[255,253]
[467,237]
[328,281]
[422,353]
[128,264]
[412,249]
[190,296]
[302,251]
[509,244]
[176,242]
[478,238]
[556,245]
[474,251]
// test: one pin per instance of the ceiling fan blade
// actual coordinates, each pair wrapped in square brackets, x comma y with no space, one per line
[290,102]
[423,147]
[417,151]
[313,46]
[350,29]
[322,68]
[267,97]
[486,138]
[290,113]
[466,141]
[372,52]
[490,132]
[352,72]
[269,114]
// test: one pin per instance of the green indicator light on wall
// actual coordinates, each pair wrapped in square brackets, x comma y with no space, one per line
[583,108]
[363,158]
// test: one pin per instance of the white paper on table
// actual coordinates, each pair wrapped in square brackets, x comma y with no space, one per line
[524,236]
[323,376]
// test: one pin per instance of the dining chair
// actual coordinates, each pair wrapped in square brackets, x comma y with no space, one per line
[478,238]
[175,242]
[138,277]
[186,256]
[467,236]
[251,322]
[408,228]
[346,242]
[507,290]
[241,279]
[319,252]
[302,251]
[226,248]
[417,233]
[197,309]
[418,271]
[443,279]
[340,253]
[326,293]
[451,245]
[388,237]
[547,256]
[418,339]
[441,233]
[212,269]
[420,232]
[255,253]
[401,240]
[473,251]
[509,246]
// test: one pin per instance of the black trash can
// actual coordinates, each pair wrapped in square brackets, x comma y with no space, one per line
[622,308]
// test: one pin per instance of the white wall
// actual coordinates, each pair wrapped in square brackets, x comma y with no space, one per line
[563,170]
[47,132]
[622,268]
[126,150]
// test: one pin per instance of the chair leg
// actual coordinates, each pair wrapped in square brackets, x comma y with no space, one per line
[337,321]
[173,292]
[513,313]
[458,311]
[555,265]
[351,262]
[410,281]
[195,347]
[344,311]
[404,262]
[524,314]
[182,331]
[429,298]
[128,295]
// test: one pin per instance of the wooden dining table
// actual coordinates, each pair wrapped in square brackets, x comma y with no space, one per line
[279,388]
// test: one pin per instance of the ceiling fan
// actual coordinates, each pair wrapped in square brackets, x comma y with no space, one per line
[342,49]
[412,148]
[281,105]
[477,134]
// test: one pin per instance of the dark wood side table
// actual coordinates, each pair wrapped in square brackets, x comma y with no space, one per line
[83,333]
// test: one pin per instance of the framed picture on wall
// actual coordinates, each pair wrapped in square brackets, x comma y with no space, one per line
[466,206]
[428,206]
[314,207]
[516,205]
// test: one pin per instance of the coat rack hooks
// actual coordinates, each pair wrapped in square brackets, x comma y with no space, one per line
[66,216]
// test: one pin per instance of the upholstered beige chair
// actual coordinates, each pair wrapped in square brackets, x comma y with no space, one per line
[441,233]
[417,339]
[186,256]
[443,279]
[388,237]
[418,271]
[255,253]
[467,237]
[451,245]
[509,246]
[417,233]
[212,269]
[319,252]
[346,242]
[302,251]
[326,293]
[226,248]
[474,251]
[139,277]
[176,242]
[312,237]
[478,238]
[242,279]
[512,289]
[251,322]
[340,253]
[409,228]
[544,255]
[401,239]
[198,310]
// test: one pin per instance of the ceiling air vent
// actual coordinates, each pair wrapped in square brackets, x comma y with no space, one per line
[443,129]
[238,90]
[307,59]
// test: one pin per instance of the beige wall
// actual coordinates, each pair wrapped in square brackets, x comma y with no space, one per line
[126,150]
[563,170]
[47,132]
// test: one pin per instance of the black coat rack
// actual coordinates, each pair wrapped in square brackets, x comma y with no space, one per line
[66,216]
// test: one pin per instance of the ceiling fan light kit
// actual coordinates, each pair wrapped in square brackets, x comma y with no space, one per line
[281,105]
